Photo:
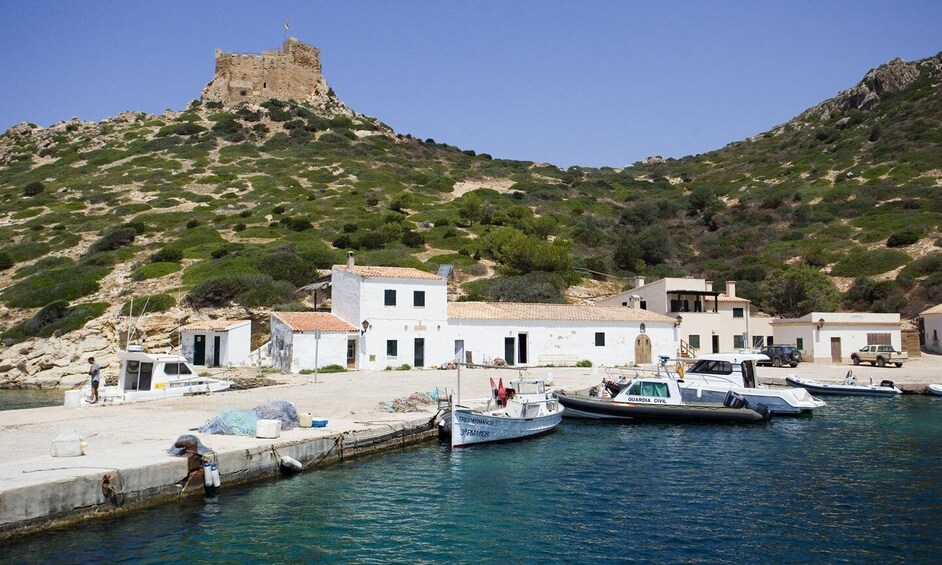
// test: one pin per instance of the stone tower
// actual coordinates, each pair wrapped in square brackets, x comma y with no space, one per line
[290,73]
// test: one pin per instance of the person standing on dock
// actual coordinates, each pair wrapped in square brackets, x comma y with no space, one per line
[95,373]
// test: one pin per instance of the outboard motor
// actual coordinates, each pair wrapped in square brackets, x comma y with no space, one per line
[887,383]
[734,400]
[764,411]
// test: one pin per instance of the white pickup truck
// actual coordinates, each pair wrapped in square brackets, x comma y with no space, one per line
[879,355]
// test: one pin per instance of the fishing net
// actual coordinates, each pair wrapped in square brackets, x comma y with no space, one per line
[240,422]
[188,442]
[415,402]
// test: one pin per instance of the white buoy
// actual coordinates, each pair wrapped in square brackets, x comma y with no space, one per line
[214,471]
[290,464]
[207,475]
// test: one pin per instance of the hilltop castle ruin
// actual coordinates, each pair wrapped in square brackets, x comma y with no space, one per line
[290,73]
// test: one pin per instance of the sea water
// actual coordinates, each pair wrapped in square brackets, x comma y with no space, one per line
[857,483]
[16,399]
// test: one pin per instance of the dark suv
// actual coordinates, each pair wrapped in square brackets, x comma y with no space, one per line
[781,355]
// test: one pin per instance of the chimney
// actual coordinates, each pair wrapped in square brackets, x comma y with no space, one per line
[708,286]
[638,281]
[349,260]
[634,301]
[731,289]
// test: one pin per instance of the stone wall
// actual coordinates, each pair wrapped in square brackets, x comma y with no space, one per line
[290,73]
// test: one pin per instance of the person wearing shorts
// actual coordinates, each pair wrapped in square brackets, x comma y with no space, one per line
[95,373]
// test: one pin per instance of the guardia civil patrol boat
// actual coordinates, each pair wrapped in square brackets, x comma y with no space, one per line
[656,399]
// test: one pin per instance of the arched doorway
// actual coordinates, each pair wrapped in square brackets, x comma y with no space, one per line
[642,349]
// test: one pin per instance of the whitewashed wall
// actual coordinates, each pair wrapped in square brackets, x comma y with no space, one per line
[236,349]
[345,296]
[932,324]
[332,350]
[816,343]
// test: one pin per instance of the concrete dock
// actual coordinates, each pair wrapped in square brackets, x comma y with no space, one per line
[129,442]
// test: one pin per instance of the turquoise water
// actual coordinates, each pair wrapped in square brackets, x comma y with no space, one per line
[857,483]
[16,399]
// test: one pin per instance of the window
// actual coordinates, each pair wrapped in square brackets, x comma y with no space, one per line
[738,312]
[738,342]
[599,339]
[711,367]
[658,390]
[176,369]
[757,341]
[418,298]
[644,304]
[392,348]
[390,297]
[624,304]
[695,341]
[769,340]
[800,343]
[935,335]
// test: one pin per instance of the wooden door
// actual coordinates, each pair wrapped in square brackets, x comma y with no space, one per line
[217,349]
[199,350]
[642,349]
[836,349]
[351,353]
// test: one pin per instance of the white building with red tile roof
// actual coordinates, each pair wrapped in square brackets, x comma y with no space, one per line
[217,343]
[303,340]
[932,328]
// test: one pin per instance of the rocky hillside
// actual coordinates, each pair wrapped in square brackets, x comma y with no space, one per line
[214,208]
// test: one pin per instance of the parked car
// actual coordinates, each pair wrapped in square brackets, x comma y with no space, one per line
[780,355]
[879,355]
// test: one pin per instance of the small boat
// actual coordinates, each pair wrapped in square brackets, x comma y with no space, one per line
[935,390]
[146,376]
[712,376]
[657,399]
[847,388]
[526,409]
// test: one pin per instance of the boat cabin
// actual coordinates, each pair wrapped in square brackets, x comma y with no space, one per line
[142,371]
[737,369]
[649,391]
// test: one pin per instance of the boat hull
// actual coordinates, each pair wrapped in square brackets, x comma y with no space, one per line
[842,389]
[469,427]
[779,402]
[935,390]
[578,406]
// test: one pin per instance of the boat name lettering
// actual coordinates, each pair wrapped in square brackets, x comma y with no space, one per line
[648,400]
[477,433]
[478,421]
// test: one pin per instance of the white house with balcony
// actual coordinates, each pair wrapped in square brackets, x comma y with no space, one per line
[831,337]
[394,316]
[710,321]
[932,328]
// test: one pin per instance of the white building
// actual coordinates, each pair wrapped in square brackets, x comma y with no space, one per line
[932,328]
[297,338]
[216,343]
[831,337]
[710,321]
[387,317]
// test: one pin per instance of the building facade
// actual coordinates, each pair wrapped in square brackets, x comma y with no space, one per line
[217,343]
[831,337]
[932,328]
[305,340]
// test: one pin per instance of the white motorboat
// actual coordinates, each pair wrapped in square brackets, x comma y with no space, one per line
[848,388]
[146,376]
[935,390]
[712,376]
[526,409]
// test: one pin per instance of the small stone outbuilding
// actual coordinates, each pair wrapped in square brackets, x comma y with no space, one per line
[932,328]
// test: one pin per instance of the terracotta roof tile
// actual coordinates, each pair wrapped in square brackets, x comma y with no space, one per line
[560,312]
[215,325]
[310,321]
[937,309]
[389,272]
[725,298]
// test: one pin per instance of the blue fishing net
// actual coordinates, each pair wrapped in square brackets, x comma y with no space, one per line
[241,422]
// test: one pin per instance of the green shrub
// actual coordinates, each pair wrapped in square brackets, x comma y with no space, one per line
[925,265]
[154,271]
[113,239]
[299,223]
[247,290]
[332,369]
[33,189]
[404,367]
[49,314]
[864,263]
[167,255]
[6,261]
[68,283]
[75,318]
[584,363]
[148,304]
[903,238]
[184,128]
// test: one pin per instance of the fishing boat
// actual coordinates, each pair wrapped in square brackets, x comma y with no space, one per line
[847,388]
[935,390]
[711,377]
[146,376]
[525,409]
[657,399]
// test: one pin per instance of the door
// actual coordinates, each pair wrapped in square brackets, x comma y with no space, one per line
[836,349]
[217,348]
[459,347]
[642,349]
[351,353]
[522,349]
[509,346]
[419,352]
[716,344]
[199,350]
[147,372]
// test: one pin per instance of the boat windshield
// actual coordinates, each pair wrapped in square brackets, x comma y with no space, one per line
[177,369]
[533,387]
[748,374]
[712,367]
[648,388]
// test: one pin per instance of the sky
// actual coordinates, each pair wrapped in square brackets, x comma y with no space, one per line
[590,83]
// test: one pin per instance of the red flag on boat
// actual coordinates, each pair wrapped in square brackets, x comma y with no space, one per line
[501,392]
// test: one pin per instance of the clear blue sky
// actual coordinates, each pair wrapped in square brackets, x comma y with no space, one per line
[586,83]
